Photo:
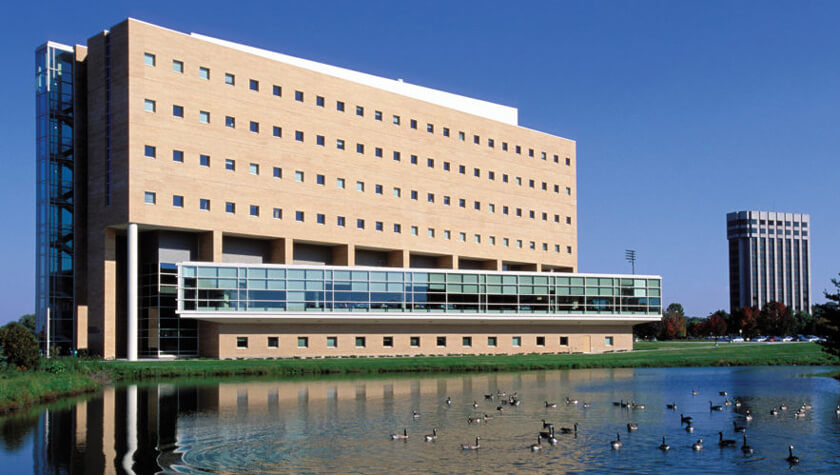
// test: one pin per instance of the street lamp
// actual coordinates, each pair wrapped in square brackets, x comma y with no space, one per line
[630,256]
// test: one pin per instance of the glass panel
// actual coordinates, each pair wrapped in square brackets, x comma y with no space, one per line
[653,283]
[207,272]
[229,272]
[188,271]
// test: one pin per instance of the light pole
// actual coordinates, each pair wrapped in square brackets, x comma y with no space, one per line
[630,256]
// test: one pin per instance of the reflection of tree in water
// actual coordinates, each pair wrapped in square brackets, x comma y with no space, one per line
[14,429]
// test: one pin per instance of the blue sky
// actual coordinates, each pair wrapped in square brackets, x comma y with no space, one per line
[682,111]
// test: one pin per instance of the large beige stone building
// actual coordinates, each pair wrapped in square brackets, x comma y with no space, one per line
[201,197]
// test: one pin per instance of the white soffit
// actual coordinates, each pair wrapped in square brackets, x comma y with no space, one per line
[489,110]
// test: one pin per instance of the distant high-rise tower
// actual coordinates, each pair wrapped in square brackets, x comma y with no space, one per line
[769,259]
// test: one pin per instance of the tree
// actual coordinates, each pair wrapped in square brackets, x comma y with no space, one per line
[673,322]
[776,319]
[19,345]
[648,331]
[745,319]
[831,314]
[28,321]
[716,325]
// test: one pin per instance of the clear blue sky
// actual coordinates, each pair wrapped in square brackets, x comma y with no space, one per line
[682,111]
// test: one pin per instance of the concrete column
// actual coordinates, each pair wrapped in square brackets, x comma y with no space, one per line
[344,255]
[131,343]
[398,258]
[282,251]
[210,246]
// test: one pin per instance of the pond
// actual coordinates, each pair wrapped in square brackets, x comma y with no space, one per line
[344,425]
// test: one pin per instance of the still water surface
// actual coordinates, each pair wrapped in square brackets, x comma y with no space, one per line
[343,425]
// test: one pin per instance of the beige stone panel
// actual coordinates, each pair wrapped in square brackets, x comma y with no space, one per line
[81,330]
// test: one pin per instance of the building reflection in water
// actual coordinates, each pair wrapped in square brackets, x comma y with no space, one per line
[148,429]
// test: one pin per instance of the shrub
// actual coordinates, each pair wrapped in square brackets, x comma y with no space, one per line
[19,346]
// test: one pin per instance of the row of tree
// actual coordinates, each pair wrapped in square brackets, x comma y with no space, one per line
[773,319]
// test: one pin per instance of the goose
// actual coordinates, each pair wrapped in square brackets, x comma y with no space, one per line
[553,440]
[587,405]
[624,404]
[727,402]
[748,416]
[415,414]
[792,459]
[546,434]
[448,401]
[500,408]
[697,445]
[837,411]
[714,408]
[537,446]
[689,428]
[722,393]
[474,420]
[616,403]
[475,404]
[515,402]
[432,436]
[501,395]
[774,412]
[487,417]
[685,419]
[631,427]
[746,449]
[694,392]
[783,407]
[663,446]
[638,405]
[547,425]
[616,444]
[568,430]
[471,446]
[571,401]
[671,406]
[725,442]
[550,404]
[402,436]
[488,397]
[738,428]
[807,406]
[799,413]
[737,403]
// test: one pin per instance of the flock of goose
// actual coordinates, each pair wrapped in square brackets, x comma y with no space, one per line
[548,433]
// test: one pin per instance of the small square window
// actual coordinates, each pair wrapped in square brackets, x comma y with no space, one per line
[568,191]
[446,166]
[430,162]
[319,101]
[447,234]
[254,169]
[476,139]
[360,148]
[568,220]
[446,200]
[339,144]
[519,181]
[230,79]
[388,341]
[254,127]
[568,162]
[440,341]
[204,73]
[150,151]
[277,131]
[446,131]
[360,186]
[491,207]
[377,115]
[149,105]
[178,201]
[564,341]
[413,124]
[377,189]
[430,128]
[532,245]
[204,117]
[273,342]
[568,249]
[477,238]
[462,136]
[378,152]
[177,111]
[462,169]
[360,111]
[339,106]
[557,188]
[277,213]
[542,155]
[360,224]
[431,233]
[492,341]
[414,230]
[379,226]
[242,342]
[414,159]
[320,180]
[319,140]
[430,197]
[149,59]
[396,120]
[504,146]
[477,206]
[298,136]
[204,204]
[299,176]
[414,194]
[462,203]
[557,248]
[462,237]
[320,218]
[608,341]
[519,212]
[516,341]
[505,242]
[491,143]
[230,207]
[540,341]
[397,192]
[149,198]
[178,156]
[504,178]
[466,341]
[277,90]
[544,246]
[332,341]
[491,175]
[530,152]
[414,341]
[230,164]
[299,96]
[530,183]
[476,172]
[253,85]
[303,342]
[339,183]
[230,122]
[299,216]
[341,221]
[492,240]
[518,149]
[277,172]
[255,210]
[505,209]
[397,228]
[531,214]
